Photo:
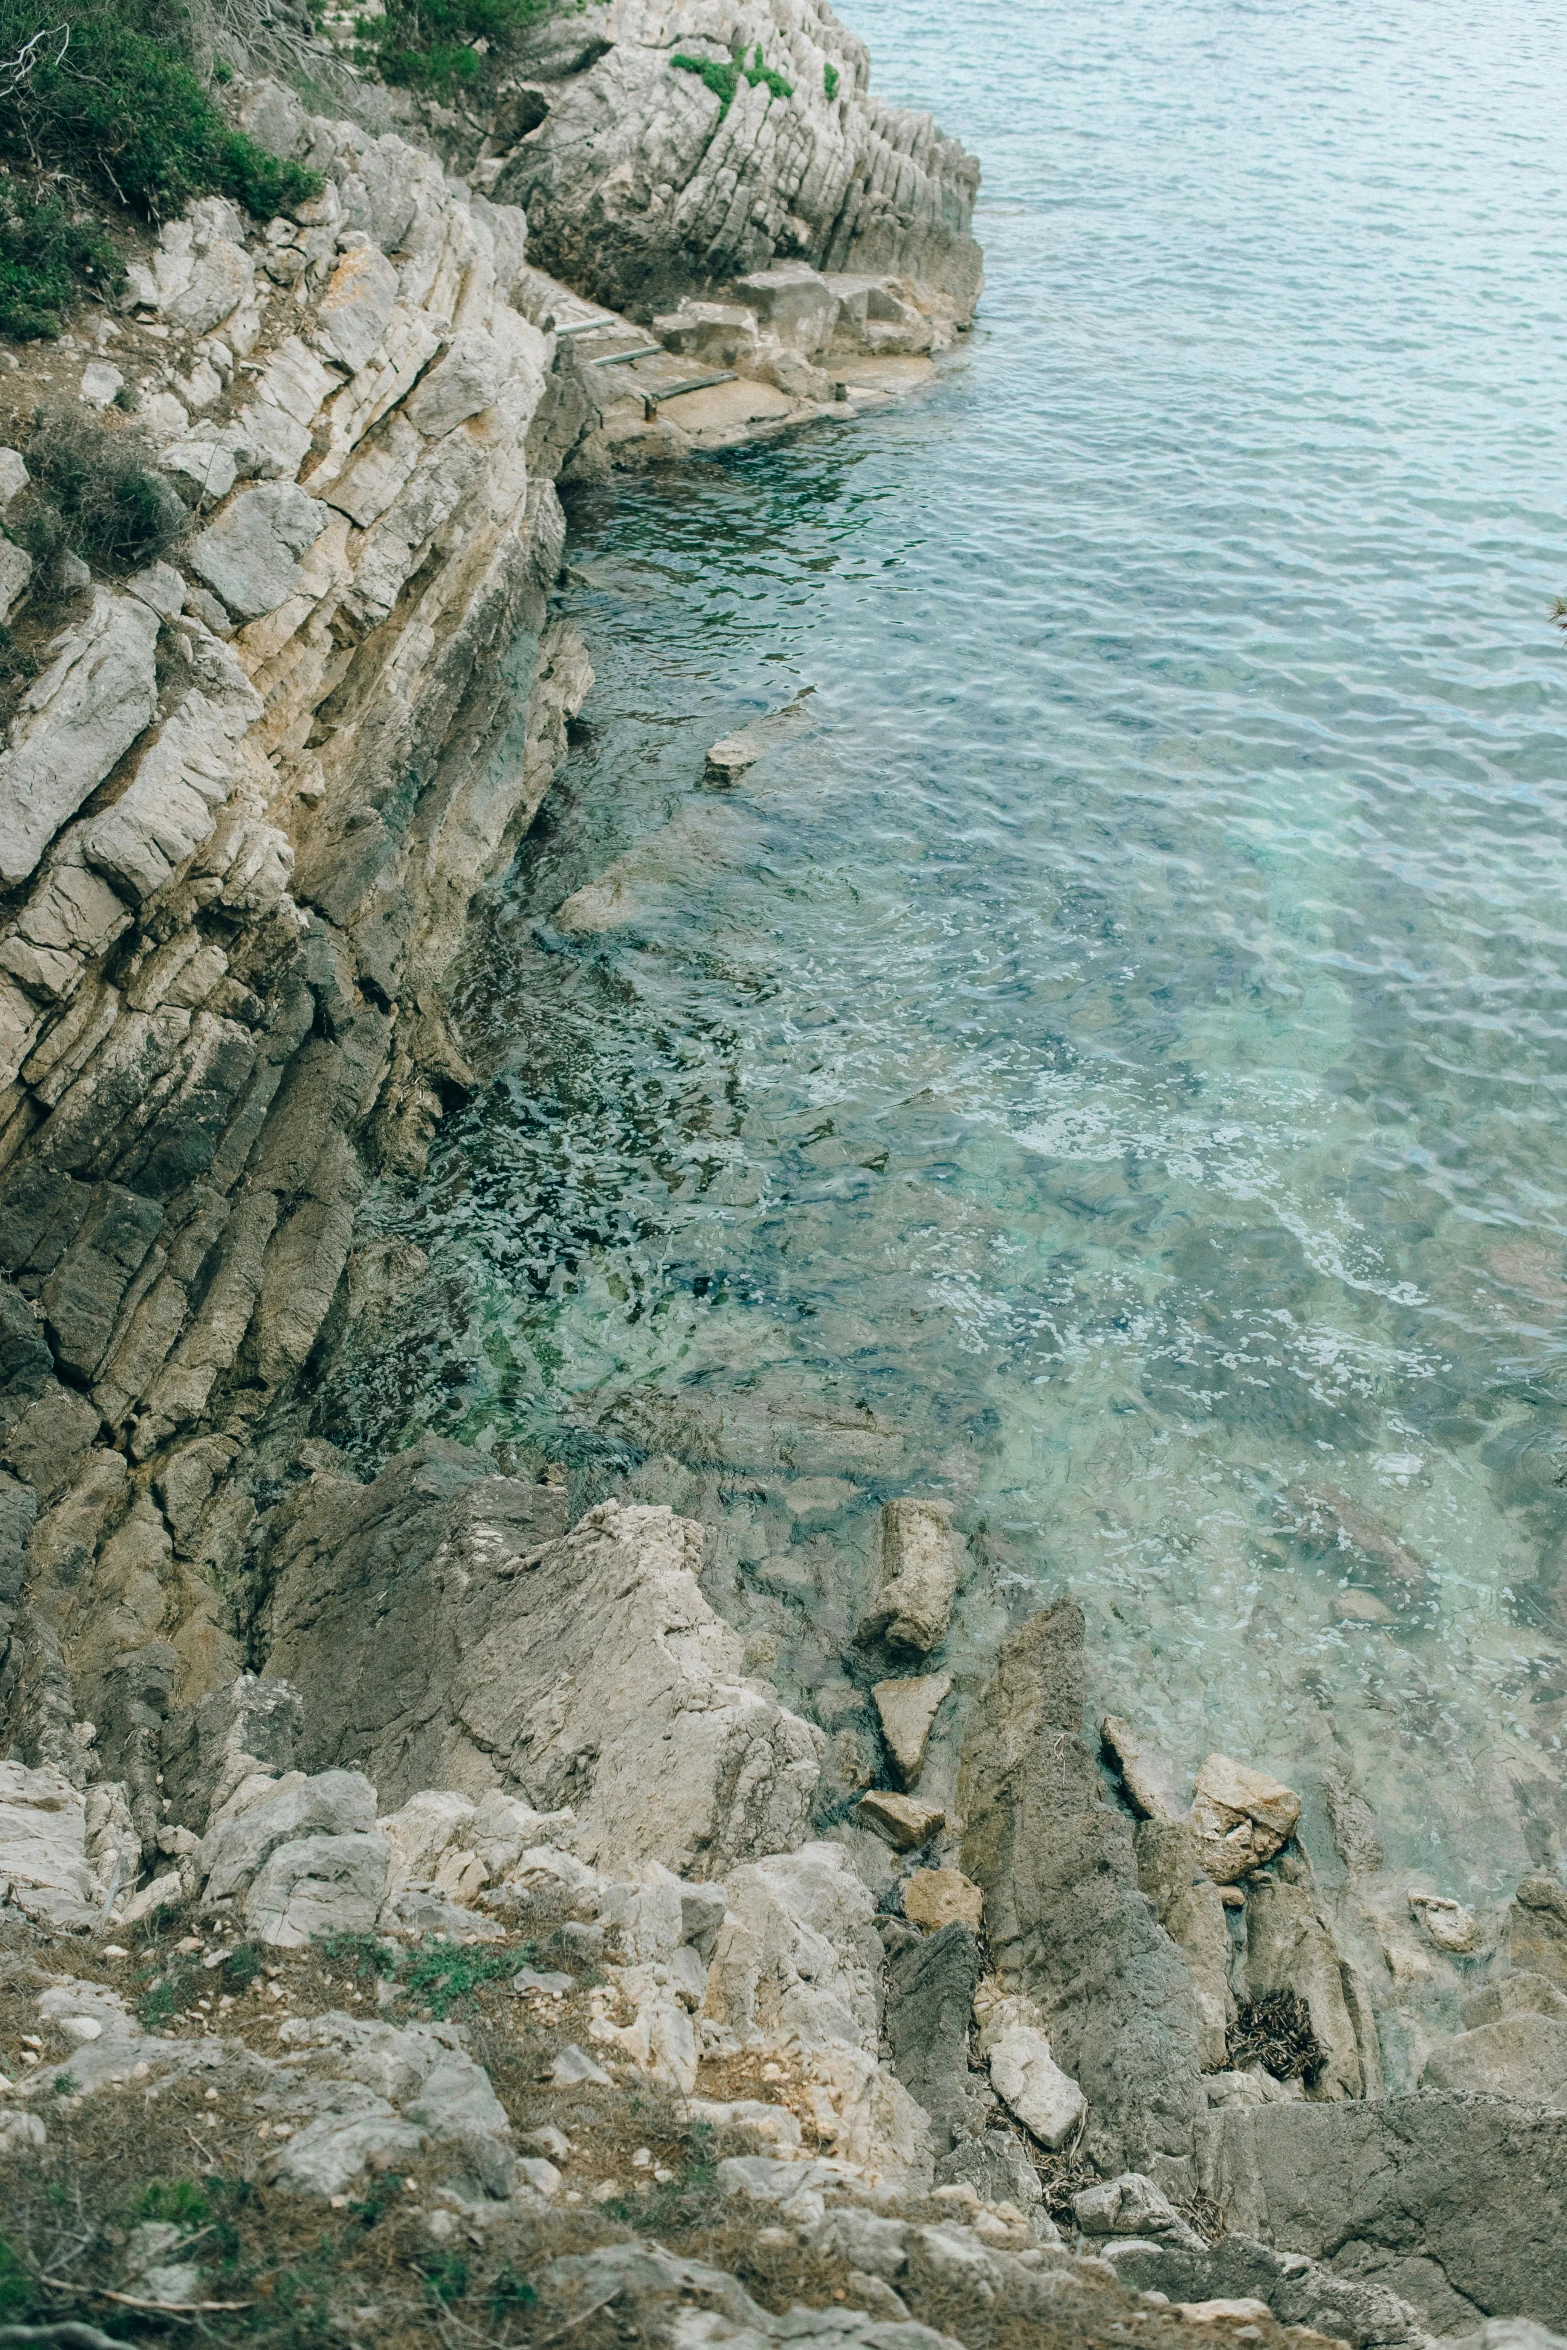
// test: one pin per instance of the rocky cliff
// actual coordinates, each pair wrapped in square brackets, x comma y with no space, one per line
[440,1858]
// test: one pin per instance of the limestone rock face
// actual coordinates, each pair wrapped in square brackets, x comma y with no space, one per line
[250,554]
[930,2000]
[75,722]
[585,1669]
[640,187]
[1481,2182]
[916,1577]
[44,1849]
[1067,1921]
[264,1814]
[1189,1908]
[1290,1947]
[1522,2056]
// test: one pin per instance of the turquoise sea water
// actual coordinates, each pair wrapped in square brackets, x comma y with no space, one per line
[1111,1072]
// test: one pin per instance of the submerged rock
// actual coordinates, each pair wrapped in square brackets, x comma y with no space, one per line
[906,1711]
[917,1572]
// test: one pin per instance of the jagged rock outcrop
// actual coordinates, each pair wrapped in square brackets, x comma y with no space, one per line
[640,185]
[445,1631]
[1068,1923]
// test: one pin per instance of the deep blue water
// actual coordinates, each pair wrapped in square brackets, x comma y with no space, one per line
[1110,1073]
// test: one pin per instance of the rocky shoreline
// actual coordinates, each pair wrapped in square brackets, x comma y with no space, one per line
[1011,2030]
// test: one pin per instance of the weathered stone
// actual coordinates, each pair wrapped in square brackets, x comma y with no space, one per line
[999,2171]
[1146,1774]
[916,1577]
[929,2006]
[420,2079]
[1521,1994]
[1066,1919]
[588,1670]
[906,1710]
[1188,1906]
[1290,1947]
[898,1819]
[1447,1923]
[262,1814]
[356,307]
[465,380]
[16,571]
[200,274]
[1132,2205]
[1240,1818]
[1481,2180]
[933,1898]
[318,1885]
[729,759]
[1538,1928]
[43,1848]
[82,1296]
[797,1953]
[249,553]
[14,475]
[1522,2056]
[719,333]
[791,300]
[241,1731]
[75,722]
[1027,2079]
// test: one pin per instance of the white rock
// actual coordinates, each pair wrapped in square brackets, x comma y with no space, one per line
[248,554]
[16,570]
[1449,1924]
[460,384]
[1240,1817]
[353,313]
[1029,2082]
[22,2133]
[76,721]
[14,476]
[43,1835]
[162,1893]
[572,2066]
[318,1885]
[161,586]
[82,2027]
[1132,2205]
[427,1825]
[906,1710]
[100,382]
[255,1821]
[170,808]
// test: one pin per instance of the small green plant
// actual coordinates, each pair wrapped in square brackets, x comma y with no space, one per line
[178,2200]
[724,80]
[49,257]
[362,1957]
[446,2274]
[444,1975]
[830,80]
[509,2293]
[95,490]
[16,2286]
[242,1965]
[63,2085]
[111,97]
[431,44]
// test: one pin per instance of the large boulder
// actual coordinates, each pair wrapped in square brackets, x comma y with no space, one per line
[917,1568]
[473,1645]
[1458,2204]
[50,1863]
[1067,1921]
[930,2003]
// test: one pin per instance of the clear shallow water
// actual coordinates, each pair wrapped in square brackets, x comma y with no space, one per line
[1111,1072]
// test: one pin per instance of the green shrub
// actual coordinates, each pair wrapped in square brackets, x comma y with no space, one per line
[427,44]
[724,80]
[830,80]
[48,257]
[177,2200]
[95,491]
[117,104]
[16,2286]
